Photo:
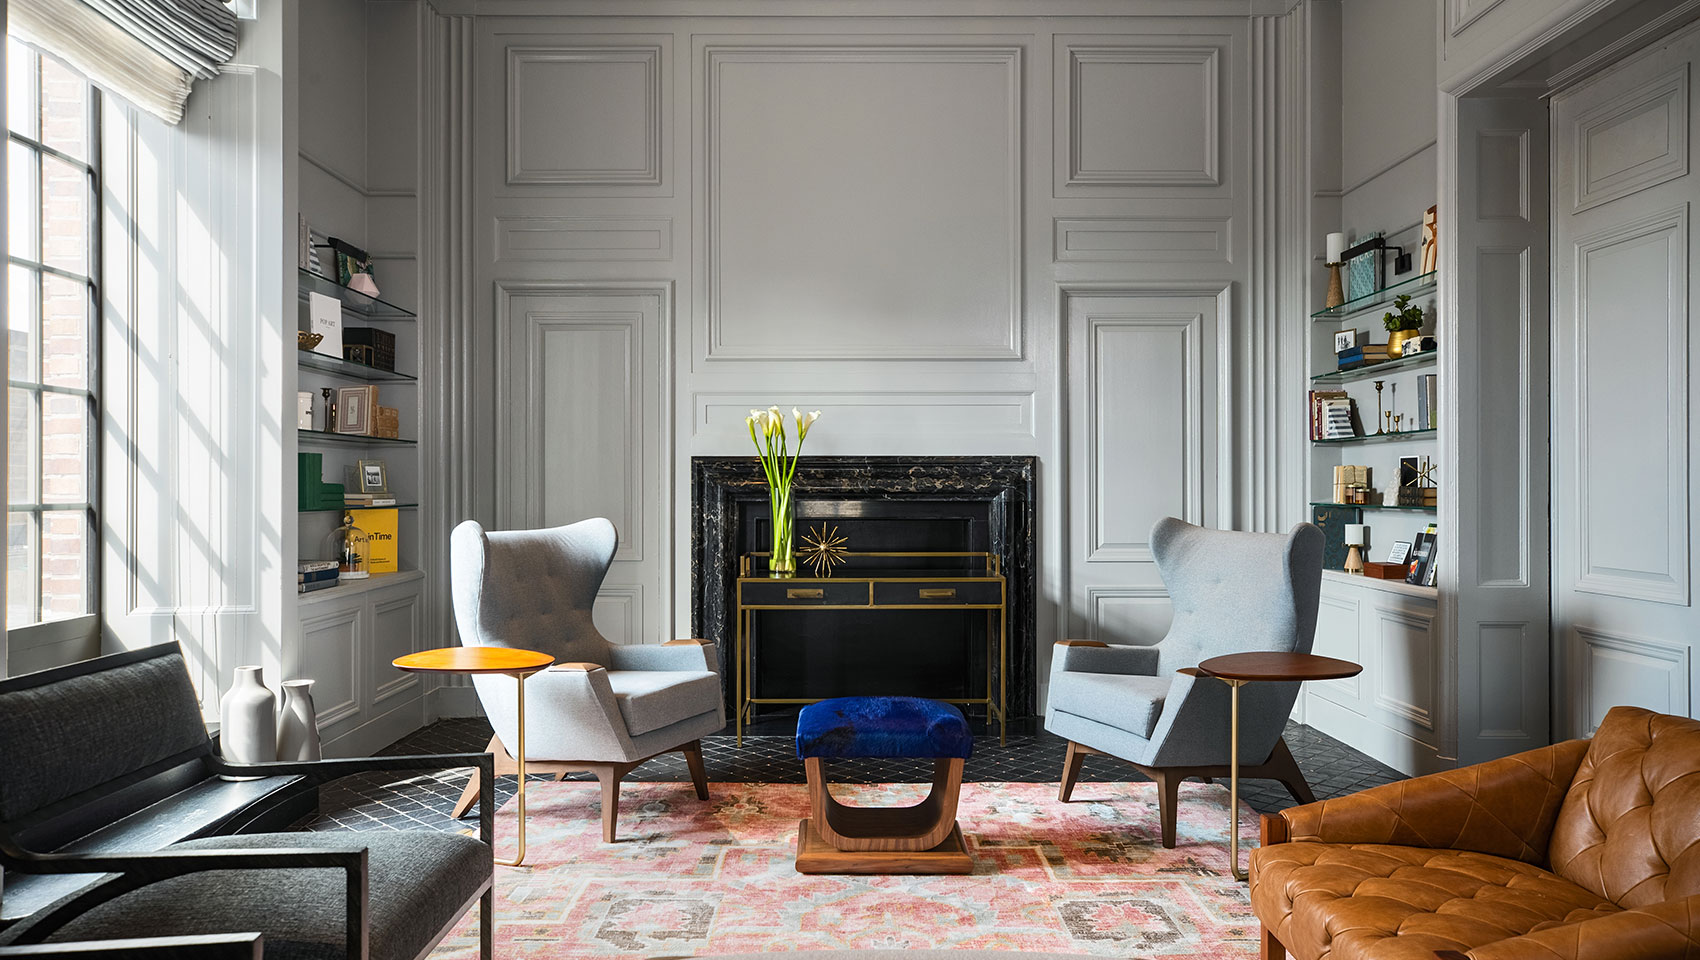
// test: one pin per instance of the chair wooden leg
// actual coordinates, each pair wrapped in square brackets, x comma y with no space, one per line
[1284,768]
[1071,771]
[1168,797]
[1272,948]
[610,778]
[699,775]
[472,784]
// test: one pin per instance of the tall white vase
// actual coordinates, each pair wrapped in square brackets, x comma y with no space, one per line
[247,720]
[298,723]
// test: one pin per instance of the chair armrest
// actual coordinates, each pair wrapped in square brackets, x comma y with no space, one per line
[1505,807]
[201,946]
[673,655]
[1095,656]
[1668,929]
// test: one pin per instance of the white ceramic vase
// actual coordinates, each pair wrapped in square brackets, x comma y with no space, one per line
[298,723]
[247,720]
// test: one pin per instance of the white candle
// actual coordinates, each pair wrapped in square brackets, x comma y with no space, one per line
[1355,534]
[1336,247]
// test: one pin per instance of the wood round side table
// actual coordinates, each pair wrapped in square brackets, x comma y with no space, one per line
[1238,669]
[518,664]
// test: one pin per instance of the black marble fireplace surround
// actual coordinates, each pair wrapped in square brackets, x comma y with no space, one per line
[880,503]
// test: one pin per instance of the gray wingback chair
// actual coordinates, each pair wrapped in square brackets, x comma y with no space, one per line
[1149,706]
[603,708]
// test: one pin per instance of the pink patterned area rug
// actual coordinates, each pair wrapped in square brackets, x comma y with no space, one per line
[693,878]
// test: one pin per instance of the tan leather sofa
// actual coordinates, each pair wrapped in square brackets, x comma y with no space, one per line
[1581,850]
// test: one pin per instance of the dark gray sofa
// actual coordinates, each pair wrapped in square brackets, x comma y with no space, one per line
[114,823]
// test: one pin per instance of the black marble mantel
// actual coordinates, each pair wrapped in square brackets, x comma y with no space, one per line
[725,489]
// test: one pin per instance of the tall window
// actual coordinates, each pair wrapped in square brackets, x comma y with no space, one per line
[52,187]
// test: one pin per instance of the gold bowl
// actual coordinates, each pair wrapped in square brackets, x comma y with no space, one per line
[307,341]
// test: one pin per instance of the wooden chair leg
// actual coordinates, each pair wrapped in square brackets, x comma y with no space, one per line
[1272,948]
[610,778]
[472,784]
[1168,791]
[1071,771]
[699,775]
[1284,768]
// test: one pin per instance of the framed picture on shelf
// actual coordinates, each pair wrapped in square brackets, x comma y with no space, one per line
[1345,340]
[374,476]
[1364,273]
[354,406]
[1400,553]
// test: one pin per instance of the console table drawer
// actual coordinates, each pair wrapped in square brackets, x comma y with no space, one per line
[945,593]
[790,593]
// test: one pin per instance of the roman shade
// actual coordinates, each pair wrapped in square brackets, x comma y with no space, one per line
[149,52]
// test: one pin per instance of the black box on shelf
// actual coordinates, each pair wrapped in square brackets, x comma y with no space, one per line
[381,342]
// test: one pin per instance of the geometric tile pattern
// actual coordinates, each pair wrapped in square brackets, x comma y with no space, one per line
[381,801]
[696,878]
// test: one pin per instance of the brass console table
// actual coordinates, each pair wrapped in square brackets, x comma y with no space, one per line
[974,582]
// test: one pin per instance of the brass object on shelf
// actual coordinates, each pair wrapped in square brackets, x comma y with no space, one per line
[307,341]
[823,549]
[1378,385]
[1396,341]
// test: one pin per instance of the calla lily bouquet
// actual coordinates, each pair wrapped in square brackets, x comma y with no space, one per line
[779,463]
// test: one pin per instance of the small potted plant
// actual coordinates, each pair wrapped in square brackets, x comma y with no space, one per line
[1403,323]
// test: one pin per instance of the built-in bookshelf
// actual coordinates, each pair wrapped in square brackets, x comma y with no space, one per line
[1374,389]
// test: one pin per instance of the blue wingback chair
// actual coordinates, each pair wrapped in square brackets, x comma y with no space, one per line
[1232,592]
[603,708]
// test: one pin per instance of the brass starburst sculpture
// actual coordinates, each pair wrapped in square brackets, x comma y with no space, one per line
[823,549]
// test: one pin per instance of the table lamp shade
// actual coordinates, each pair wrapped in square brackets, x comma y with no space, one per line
[1336,247]
[1355,534]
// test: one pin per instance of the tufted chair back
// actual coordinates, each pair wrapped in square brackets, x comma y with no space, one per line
[1629,829]
[532,589]
[1234,592]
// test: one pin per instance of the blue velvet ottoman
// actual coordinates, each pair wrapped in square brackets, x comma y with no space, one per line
[922,839]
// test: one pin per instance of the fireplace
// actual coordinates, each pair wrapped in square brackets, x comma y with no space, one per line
[879,504]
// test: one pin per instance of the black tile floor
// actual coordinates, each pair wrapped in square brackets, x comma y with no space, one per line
[377,802]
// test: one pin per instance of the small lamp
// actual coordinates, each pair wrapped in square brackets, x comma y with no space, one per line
[1355,548]
[1336,251]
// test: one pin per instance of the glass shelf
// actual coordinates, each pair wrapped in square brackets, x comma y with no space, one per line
[320,436]
[357,506]
[1373,506]
[1381,438]
[1374,370]
[372,308]
[348,368]
[1416,286]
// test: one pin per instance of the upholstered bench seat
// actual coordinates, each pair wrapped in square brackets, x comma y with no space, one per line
[1384,902]
[418,883]
[882,727]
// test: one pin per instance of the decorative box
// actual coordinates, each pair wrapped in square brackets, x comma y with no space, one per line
[382,343]
[386,422]
[1385,571]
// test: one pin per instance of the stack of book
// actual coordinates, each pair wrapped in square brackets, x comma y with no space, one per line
[1427,416]
[1319,401]
[368,500]
[314,575]
[1362,355]
[1351,484]
[1423,569]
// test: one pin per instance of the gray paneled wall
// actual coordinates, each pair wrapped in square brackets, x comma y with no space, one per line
[954,235]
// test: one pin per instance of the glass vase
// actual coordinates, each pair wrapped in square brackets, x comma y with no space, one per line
[782,562]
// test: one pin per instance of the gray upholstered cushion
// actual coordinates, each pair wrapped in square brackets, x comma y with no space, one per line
[64,737]
[419,884]
[532,589]
[1128,702]
[652,699]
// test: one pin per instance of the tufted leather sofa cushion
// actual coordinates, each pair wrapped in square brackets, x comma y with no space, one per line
[1629,829]
[1360,901]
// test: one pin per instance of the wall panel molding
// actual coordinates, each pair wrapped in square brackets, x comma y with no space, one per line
[1137,625]
[330,650]
[1620,669]
[1633,142]
[1406,640]
[983,416]
[639,163]
[1502,653]
[1142,240]
[1142,161]
[1460,14]
[619,613]
[576,239]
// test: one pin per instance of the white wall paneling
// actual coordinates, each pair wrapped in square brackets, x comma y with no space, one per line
[1634,671]
[1142,240]
[885,224]
[1141,114]
[1405,684]
[1637,140]
[567,239]
[585,114]
[1006,419]
[1128,614]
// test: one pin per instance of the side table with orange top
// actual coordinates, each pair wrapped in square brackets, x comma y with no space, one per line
[1269,666]
[518,664]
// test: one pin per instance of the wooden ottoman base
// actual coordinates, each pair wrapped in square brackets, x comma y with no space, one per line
[815,855]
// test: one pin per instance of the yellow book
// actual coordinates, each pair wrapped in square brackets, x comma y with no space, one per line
[382,542]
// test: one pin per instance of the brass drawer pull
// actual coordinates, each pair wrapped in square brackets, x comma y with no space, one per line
[802,593]
[938,593]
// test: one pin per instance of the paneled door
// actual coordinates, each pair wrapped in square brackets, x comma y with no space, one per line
[581,431]
[1143,380]
[1623,437]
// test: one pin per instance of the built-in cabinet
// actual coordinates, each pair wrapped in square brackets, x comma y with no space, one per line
[349,636]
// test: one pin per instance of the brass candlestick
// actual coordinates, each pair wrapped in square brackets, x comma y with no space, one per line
[1389,416]
[1397,417]
[1378,384]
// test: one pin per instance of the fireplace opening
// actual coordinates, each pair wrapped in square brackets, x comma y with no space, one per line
[968,514]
